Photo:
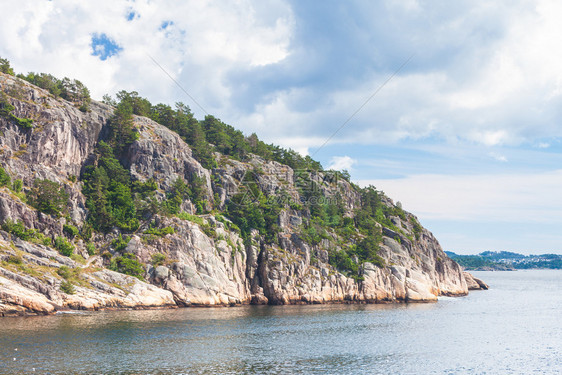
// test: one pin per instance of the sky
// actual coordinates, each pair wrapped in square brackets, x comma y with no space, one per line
[453,109]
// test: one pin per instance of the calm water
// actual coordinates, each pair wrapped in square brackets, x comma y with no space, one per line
[513,328]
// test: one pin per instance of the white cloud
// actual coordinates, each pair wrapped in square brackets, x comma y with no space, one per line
[498,157]
[488,73]
[340,163]
[532,197]
[202,42]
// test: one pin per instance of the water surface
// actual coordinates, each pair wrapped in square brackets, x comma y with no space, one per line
[513,328]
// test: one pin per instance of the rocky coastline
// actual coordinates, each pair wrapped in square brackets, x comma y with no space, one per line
[203,260]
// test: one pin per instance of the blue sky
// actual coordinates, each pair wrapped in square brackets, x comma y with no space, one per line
[467,135]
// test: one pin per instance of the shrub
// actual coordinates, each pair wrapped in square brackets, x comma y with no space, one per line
[107,188]
[70,230]
[194,219]
[15,259]
[91,248]
[128,265]
[40,238]
[4,177]
[48,197]
[343,262]
[158,259]
[64,272]
[67,287]
[17,185]
[18,229]
[417,228]
[86,231]
[64,246]
[120,243]
[78,258]
[161,232]
[6,109]
[25,123]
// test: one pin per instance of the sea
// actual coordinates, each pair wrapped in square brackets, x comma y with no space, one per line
[515,327]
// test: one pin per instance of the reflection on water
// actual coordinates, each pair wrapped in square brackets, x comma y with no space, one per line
[512,328]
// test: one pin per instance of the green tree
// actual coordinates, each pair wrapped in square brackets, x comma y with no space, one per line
[201,150]
[4,177]
[48,197]
[5,67]
[139,106]
[107,188]
[6,107]
[75,91]
[122,131]
[64,246]
[175,197]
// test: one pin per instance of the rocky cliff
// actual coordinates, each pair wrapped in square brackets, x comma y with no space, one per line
[190,258]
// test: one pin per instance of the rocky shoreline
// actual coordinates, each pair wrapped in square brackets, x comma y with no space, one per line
[189,259]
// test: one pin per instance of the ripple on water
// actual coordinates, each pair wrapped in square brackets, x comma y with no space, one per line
[513,328]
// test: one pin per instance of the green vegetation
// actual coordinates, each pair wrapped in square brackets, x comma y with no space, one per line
[160,232]
[505,260]
[119,244]
[69,89]
[15,259]
[4,177]
[6,109]
[67,273]
[117,201]
[127,264]
[48,197]
[5,67]
[195,219]
[158,259]
[17,185]
[70,230]
[18,229]
[179,192]
[109,199]
[64,246]
[90,248]
[67,287]
[210,134]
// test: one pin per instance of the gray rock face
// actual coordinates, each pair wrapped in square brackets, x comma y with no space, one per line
[207,264]
[161,154]
[474,283]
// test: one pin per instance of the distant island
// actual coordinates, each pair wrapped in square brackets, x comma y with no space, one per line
[506,261]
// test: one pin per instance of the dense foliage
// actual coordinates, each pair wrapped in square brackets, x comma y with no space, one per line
[64,246]
[112,198]
[69,89]
[128,265]
[210,134]
[4,177]
[48,197]
[5,67]
[18,229]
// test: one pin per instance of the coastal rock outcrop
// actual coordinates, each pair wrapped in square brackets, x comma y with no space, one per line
[474,283]
[189,259]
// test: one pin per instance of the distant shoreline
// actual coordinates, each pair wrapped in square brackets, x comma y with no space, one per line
[506,261]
